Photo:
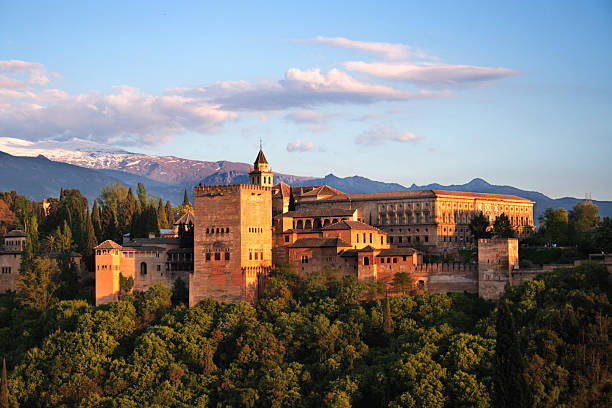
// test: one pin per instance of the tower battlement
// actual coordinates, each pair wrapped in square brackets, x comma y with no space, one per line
[228,188]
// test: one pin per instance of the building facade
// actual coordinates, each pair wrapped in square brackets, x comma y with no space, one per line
[433,219]
[10,259]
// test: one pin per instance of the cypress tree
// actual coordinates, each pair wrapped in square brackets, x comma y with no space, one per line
[162,219]
[209,365]
[96,221]
[91,236]
[4,402]
[387,321]
[128,208]
[109,224]
[186,199]
[142,196]
[511,390]
[291,201]
[169,214]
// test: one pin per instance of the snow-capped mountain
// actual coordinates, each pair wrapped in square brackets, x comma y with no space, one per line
[93,155]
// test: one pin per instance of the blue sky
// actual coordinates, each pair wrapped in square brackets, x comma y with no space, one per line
[518,93]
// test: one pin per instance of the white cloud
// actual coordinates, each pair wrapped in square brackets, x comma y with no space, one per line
[34,72]
[313,120]
[127,115]
[426,73]
[299,146]
[304,89]
[380,136]
[388,51]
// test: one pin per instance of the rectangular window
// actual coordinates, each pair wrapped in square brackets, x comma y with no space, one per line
[388,260]
[357,238]
[390,240]
[370,238]
[399,239]
[426,238]
[261,256]
[404,259]
[394,260]
[217,256]
[250,256]
[304,258]
[158,268]
[256,255]
[286,238]
[208,256]
[227,256]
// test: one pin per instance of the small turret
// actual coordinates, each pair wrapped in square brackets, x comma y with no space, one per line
[261,174]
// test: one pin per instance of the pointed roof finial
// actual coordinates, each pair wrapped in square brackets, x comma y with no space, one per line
[260,143]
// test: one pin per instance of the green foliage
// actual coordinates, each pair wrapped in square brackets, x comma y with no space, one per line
[4,394]
[34,285]
[554,225]
[502,227]
[315,341]
[402,282]
[480,227]
[510,385]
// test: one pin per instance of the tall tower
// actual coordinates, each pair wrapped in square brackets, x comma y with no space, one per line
[261,174]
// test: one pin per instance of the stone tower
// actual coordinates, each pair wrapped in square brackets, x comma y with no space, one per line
[233,238]
[261,174]
[497,260]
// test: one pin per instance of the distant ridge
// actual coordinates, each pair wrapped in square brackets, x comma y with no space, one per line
[38,178]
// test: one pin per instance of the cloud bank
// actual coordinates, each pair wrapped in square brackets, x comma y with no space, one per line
[380,136]
[425,73]
[299,146]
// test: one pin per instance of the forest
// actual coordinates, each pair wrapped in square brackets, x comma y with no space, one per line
[309,342]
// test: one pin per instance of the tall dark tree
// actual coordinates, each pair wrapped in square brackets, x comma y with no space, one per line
[162,219]
[109,224]
[142,196]
[96,220]
[387,320]
[479,227]
[4,394]
[128,209]
[169,214]
[291,201]
[510,386]
[92,241]
[186,199]
[502,227]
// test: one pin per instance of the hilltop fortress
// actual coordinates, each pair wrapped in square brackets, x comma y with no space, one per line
[242,231]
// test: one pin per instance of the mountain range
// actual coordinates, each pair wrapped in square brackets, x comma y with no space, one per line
[40,170]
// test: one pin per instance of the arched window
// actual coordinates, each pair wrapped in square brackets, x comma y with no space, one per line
[143,268]
[366,260]
[300,224]
[308,224]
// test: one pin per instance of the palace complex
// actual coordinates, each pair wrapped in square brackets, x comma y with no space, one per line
[242,231]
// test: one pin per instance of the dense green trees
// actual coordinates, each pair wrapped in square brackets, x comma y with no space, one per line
[317,342]
[479,226]
[502,227]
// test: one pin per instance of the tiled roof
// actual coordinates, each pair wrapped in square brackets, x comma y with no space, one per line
[322,190]
[321,212]
[348,253]
[261,158]
[16,233]
[369,248]
[152,241]
[397,252]
[350,225]
[423,194]
[108,244]
[143,248]
[318,243]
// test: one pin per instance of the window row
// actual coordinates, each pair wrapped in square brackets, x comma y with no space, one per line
[217,230]
[257,256]
[6,269]
[217,256]
[252,229]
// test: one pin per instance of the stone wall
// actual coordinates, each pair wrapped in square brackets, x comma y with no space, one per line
[233,231]
[9,270]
